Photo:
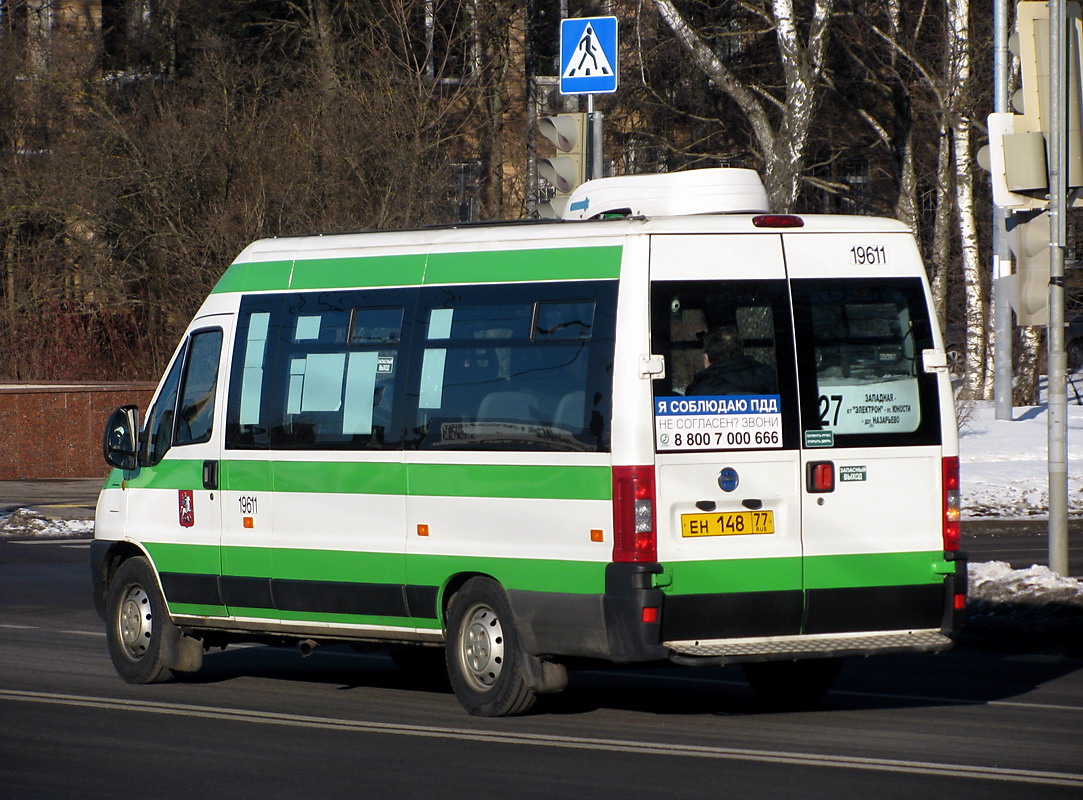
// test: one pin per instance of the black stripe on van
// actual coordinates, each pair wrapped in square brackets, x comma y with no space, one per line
[730,616]
[875,608]
[315,597]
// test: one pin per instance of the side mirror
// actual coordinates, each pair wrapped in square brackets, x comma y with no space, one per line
[119,443]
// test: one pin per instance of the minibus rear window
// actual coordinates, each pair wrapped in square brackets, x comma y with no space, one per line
[860,359]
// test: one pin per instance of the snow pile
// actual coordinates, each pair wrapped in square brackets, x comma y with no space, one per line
[25,522]
[995,582]
[1004,467]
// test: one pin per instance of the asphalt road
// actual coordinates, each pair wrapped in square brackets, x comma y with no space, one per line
[260,722]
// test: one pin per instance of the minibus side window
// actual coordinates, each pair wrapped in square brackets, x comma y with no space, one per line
[332,358]
[158,433]
[515,367]
[196,416]
[247,413]
[863,382]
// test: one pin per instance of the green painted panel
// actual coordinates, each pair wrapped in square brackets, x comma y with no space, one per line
[254,277]
[197,610]
[431,480]
[342,619]
[194,558]
[247,476]
[336,565]
[172,473]
[340,477]
[560,263]
[500,266]
[502,480]
[248,562]
[330,273]
[525,574]
[873,569]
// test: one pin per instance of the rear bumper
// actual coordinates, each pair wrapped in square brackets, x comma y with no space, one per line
[722,628]
[608,626]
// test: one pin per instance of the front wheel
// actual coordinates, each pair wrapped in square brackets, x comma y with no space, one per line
[137,623]
[484,658]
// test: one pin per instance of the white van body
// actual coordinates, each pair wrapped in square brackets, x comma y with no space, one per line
[505,440]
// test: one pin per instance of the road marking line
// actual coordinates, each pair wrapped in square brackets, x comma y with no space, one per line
[947,701]
[971,771]
[64,540]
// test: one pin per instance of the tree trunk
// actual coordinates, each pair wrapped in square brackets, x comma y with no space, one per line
[941,247]
[782,146]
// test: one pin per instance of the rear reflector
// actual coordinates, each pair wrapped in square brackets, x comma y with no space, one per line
[650,615]
[951,503]
[778,221]
[634,538]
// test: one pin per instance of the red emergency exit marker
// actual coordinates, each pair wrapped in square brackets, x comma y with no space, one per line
[821,476]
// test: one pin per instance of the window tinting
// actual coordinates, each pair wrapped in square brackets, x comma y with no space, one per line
[318,370]
[729,381]
[864,350]
[515,367]
[197,398]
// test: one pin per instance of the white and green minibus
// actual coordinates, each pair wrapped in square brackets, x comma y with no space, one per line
[671,427]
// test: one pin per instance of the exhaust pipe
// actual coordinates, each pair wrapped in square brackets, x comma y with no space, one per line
[307,647]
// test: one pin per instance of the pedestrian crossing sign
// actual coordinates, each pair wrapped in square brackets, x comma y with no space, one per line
[588,55]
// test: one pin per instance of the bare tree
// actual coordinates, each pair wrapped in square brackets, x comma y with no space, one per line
[781,120]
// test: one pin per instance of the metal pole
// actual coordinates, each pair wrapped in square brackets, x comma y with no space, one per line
[1058,362]
[1002,267]
[596,164]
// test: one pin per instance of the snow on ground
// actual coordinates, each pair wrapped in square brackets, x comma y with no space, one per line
[27,522]
[1004,475]
[1003,463]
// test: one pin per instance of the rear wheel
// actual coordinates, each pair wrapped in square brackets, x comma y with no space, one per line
[136,622]
[484,657]
[792,684]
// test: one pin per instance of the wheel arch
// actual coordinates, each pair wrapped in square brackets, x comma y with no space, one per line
[106,558]
[452,585]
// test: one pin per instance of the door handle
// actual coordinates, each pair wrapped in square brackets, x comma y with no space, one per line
[210,474]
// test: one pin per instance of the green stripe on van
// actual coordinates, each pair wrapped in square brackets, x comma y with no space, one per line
[500,266]
[500,480]
[563,482]
[494,266]
[873,569]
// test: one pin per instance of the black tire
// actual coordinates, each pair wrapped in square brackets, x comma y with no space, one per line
[484,657]
[136,624]
[792,684]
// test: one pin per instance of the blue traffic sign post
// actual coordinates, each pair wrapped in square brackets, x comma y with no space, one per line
[589,65]
[588,56]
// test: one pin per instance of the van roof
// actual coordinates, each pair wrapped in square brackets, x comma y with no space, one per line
[545,234]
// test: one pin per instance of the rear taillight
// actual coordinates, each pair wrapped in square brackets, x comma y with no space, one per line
[951,503]
[634,536]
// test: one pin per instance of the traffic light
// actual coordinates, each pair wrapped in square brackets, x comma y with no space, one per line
[566,170]
[1030,245]
[1019,142]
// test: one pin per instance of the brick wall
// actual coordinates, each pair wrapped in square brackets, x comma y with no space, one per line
[55,430]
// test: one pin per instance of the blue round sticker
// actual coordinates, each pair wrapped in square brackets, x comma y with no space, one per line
[728,479]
